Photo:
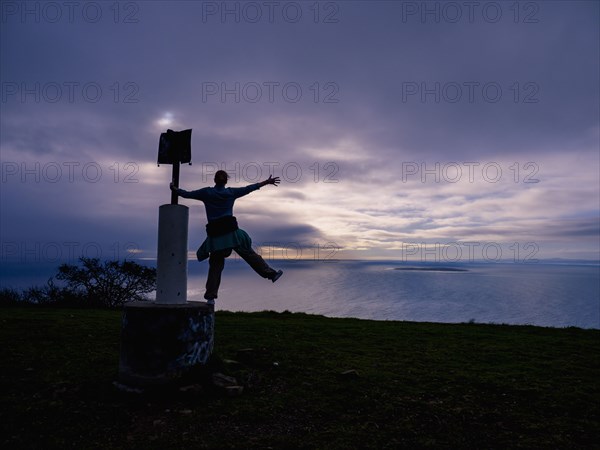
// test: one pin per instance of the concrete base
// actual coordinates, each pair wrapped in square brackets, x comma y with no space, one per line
[161,343]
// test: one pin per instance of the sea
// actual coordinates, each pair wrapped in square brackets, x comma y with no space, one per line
[550,294]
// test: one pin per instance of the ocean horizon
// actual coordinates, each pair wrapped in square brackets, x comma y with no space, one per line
[553,293]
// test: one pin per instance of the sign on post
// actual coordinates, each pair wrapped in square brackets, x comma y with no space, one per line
[175,147]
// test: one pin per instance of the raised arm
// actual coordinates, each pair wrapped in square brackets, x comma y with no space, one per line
[271,180]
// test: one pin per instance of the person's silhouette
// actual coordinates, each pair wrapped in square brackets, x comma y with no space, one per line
[223,234]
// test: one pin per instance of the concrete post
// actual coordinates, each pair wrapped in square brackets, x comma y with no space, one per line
[171,279]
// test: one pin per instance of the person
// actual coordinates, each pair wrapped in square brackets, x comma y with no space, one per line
[223,233]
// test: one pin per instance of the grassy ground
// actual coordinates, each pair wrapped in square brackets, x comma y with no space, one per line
[415,385]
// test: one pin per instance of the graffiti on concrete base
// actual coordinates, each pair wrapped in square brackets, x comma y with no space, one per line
[198,339]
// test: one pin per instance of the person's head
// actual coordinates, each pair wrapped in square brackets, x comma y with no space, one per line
[221,177]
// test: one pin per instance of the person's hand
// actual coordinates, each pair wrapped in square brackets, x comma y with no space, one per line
[273,180]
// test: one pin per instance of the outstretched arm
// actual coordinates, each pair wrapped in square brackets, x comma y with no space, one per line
[185,194]
[240,192]
[270,180]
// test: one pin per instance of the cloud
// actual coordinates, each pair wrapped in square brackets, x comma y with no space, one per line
[376,104]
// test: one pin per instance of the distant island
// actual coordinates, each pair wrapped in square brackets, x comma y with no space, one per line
[435,269]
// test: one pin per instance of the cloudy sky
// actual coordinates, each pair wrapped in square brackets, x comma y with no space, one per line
[400,130]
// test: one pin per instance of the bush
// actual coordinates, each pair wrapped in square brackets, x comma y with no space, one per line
[10,297]
[109,284]
[102,285]
[49,295]
[52,295]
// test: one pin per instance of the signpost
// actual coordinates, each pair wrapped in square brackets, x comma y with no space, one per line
[164,340]
[175,147]
[171,283]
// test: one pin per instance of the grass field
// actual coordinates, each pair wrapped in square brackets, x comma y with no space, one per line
[410,385]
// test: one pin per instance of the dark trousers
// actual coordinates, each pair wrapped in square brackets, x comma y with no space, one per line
[216,263]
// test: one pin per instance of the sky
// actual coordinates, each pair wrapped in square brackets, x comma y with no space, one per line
[427,131]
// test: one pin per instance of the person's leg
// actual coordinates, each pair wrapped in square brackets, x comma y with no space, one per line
[244,249]
[256,262]
[216,262]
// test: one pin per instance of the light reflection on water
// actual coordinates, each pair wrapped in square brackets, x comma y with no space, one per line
[538,294]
